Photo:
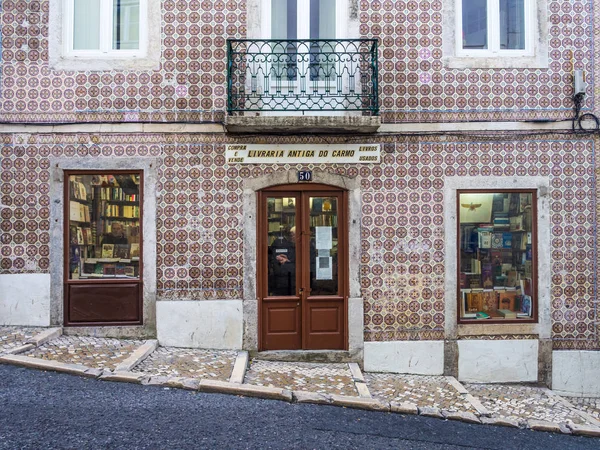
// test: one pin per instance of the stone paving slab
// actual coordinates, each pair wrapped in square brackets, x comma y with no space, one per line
[298,376]
[586,404]
[188,363]
[13,337]
[520,403]
[99,353]
[421,390]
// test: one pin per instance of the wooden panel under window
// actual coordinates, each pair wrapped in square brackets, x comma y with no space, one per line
[102,302]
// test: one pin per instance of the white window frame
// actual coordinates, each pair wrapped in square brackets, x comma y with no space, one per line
[535,54]
[62,56]
[106,29]
[341,19]
[493,32]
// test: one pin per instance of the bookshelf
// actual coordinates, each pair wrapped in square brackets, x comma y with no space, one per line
[96,203]
[496,256]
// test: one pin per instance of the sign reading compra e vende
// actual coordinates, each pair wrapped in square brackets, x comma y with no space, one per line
[303,153]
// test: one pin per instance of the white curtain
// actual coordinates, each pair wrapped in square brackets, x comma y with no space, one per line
[86,24]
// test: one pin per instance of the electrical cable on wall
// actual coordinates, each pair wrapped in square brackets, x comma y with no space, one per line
[578,120]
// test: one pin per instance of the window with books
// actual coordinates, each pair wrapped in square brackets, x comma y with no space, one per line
[104,226]
[497,256]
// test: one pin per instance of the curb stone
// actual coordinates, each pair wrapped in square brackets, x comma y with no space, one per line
[156,381]
[463,416]
[359,381]
[21,349]
[404,408]
[138,355]
[482,410]
[190,384]
[359,403]
[587,417]
[122,376]
[584,430]
[429,411]
[45,336]
[501,421]
[456,385]
[239,368]
[74,369]
[543,425]
[225,387]
[312,397]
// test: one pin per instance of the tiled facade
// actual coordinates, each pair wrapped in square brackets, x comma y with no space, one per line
[190,83]
[199,197]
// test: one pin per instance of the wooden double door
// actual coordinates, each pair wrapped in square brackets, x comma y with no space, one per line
[302,267]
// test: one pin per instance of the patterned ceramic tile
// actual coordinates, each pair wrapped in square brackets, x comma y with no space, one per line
[188,363]
[430,391]
[200,217]
[92,352]
[322,378]
[190,82]
[522,402]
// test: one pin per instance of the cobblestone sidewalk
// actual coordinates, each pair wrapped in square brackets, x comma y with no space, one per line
[321,378]
[97,353]
[188,363]
[524,403]
[429,391]
[13,337]
[215,370]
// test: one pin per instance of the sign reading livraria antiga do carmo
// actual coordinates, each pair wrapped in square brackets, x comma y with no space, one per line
[303,153]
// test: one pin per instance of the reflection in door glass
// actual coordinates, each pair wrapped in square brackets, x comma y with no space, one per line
[323,245]
[281,255]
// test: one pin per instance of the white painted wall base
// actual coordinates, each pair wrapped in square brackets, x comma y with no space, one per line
[25,299]
[416,357]
[200,324]
[576,373]
[483,361]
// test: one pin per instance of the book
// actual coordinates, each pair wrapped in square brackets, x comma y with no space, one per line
[463,280]
[485,239]
[497,240]
[121,251]
[120,269]
[506,240]
[474,302]
[526,307]
[134,250]
[109,270]
[481,315]
[513,278]
[516,223]
[507,314]
[506,300]
[80,240]
[487,277]
[108,250]
[490,300]
[129,271]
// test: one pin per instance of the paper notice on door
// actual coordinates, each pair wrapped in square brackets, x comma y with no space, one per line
[324,268]
[323,238]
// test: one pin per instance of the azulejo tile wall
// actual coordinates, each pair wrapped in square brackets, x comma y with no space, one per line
[190,83]
[199,210]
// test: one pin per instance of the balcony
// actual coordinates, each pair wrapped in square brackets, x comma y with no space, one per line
[302,85]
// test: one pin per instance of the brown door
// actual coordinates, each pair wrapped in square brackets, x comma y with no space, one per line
[302,273]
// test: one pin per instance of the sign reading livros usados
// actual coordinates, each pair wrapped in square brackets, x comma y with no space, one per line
[303,153]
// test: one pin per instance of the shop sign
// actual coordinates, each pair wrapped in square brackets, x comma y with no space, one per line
[302,153]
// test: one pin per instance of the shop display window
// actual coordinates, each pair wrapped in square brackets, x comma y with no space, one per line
[103,216]
[497,256]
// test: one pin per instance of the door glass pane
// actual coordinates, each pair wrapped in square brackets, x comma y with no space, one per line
[474,24]
[86,24]
[512,24]
[104,226]
[323,245]
[126,24]
[496,257]
[281,254]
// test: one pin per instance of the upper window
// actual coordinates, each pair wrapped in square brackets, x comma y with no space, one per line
[496,34]
[111,28]
[494,27]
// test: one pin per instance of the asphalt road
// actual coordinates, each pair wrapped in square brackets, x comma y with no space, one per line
[46,410]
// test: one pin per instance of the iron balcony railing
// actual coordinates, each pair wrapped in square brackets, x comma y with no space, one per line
[302,75]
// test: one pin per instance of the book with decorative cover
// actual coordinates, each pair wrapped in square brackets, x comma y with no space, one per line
[108,250]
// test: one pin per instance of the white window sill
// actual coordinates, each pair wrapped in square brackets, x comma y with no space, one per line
[496,62]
